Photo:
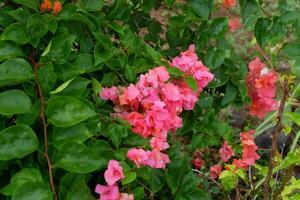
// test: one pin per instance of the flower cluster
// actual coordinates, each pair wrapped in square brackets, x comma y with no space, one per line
[249,156]
[47,6]
[229,3]
[261,88]
[152,106]
[112,175]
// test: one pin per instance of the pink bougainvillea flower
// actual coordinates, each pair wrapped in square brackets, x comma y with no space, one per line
[157,159]
[186,60]
[229,3]
[198,162]
[113,173]
[125,196]
[234,24]
[226,152]
[138,156]
[152,106]
[239,164]
[215,171]
[109,93]
[110,192]
[261,84]
[249,148]
[159,144]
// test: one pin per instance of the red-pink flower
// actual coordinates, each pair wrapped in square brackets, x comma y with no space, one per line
[226,152]
[152,106]
[234,24]
[198,162]
[110,192]
[249,148]
[215,171]
[261,85]
[159,144]
[157,159]
[239,164]
[113,173]
[138,156]
[229,3]
[109,93]
[125,196]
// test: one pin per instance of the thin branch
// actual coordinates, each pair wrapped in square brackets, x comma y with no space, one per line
[45,130]
[278,128]
[266,57]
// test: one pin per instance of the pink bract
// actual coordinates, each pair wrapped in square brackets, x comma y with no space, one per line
[110,192]
[226,152]
[215,171]
[113,173]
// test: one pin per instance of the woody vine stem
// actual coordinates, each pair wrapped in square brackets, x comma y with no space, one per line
[275,135]
[45,130]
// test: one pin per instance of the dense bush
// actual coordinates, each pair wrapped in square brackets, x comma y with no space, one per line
[149,99]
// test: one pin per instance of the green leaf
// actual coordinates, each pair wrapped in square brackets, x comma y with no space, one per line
[173,71]
[130,74]
[116,132]
[80,191]
[129,177]
[47,78]
[139,193]
[292,51]
[14,102]
[250,12]
[29,3]
[202,7]
[79,133]
[157,180]
[62,87]
[9,50]
[230,94]
[17,33]
[17,141]
[120,10]
[103,50]
[218,27]
[77,88]
[295,117]
[36,191]
[67,182]
[91,5]
[64,111]
[96,86]
[60,48]
[77,158]
[229,180]
[15,71]
[192,83]
[261,30]
[290,17]
[21,177]
[214,59]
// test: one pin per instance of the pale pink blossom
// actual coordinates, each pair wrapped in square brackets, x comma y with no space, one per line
[113,173]
[110,192]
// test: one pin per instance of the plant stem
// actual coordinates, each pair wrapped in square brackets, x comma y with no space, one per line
[278,128]
[45,130]
[293,147]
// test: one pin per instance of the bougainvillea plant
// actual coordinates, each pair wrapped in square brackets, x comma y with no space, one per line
[144,100]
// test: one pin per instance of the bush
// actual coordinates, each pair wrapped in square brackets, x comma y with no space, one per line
[149,99]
